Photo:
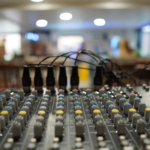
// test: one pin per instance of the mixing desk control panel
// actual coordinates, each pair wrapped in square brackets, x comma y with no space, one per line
[115,118]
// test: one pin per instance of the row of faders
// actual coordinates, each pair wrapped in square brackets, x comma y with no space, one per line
[127,115]
[60,120]
[79,120]
[9,105]
[40,120]
[97,118]
[15,103]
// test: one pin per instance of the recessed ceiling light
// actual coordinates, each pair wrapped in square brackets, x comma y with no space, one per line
[146,29]
[37,1]
[41,23]
[99,22]
[65,16]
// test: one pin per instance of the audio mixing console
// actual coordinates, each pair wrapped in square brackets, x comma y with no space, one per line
[105,117]
[115,118]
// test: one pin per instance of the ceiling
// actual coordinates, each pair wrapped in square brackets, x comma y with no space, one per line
[21,15]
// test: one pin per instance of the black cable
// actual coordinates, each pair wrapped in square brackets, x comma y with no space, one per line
[65,66]
[54,56]
[76,57]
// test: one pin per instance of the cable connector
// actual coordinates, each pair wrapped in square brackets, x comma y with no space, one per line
[98,78]
[26,79]
[62,78]
[50,79]
[74,80]
[38,80]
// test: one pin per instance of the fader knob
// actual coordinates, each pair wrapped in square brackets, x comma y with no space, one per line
[140,126]
[135,117]
[131,98]
[2,122]
[7,94]
[25,108]
[78,107]
[59,118]
[8,146]
[100,127]
[110,109]
[116,118]
[3,98]
[32,96]
[77,103]
[96,111]
[97,117]
[18,98]
[40,119]
[38,128]
[88,91]
[93,102]
[59,129]
[104,98]
[137,100]
[21,120]
[130,114]
[121,127]
[29,105]
[35,93]
[101,91]
[10,111]
[78,112]
[43,108]
[114,112]
[147,114]
[48,92]
[75,91]
[79,118]
[12,104]
[6,115]
[42,113]
[31,146]
[61,103]
[55,146]
[142,107]
[107,105]
[121,102]
[15,100]
[102,144]
[31,101]
[16,129]
[118,96]
[21,93]
[47,96]
[1,104]
[126,108]
[79,129]
[24,115]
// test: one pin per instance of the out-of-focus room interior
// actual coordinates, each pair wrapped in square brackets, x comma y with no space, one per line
[33,29]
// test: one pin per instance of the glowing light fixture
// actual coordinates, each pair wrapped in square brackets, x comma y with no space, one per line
[146,29]
[32,36]
[99,22]
[65,16]
[8,57]
[37,1]
[41,23]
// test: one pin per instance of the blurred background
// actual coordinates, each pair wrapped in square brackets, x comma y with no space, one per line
[33,29]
